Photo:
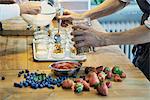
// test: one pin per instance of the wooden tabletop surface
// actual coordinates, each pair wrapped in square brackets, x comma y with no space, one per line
[16,55]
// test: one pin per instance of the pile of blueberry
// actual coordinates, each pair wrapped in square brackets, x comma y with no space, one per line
[39,80]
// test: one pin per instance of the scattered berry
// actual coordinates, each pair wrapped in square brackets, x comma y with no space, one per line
[109,84]
[117,78]
[3,78]
[102,89]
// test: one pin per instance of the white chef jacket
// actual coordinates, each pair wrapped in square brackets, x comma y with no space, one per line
[147,22]
[125,0]
[8,11]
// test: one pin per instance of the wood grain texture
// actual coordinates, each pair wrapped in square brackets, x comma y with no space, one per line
[16,54]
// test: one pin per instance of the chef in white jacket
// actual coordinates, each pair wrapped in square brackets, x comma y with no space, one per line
[8,11]
[87,36]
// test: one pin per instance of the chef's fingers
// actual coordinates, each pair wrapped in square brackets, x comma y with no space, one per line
[65,17]
[77,33]
[67,12]
[83,27]
[80,44]
[35,11]
[78,38]
[64,24]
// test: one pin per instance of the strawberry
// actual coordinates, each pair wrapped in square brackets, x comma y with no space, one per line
[67,84]
[93,79]
[90,69]
[117,78]
[99,69]
[78,87]
[106,69]
[123,75]
[109,75]
[116,70]
[78,80]
[101,76]
[102,89]
[86,85]
[109,84]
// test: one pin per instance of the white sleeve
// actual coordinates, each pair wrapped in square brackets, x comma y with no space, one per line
[147,22]
[8,11]
[125,0]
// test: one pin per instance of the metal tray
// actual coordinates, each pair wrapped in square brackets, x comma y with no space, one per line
[52,59]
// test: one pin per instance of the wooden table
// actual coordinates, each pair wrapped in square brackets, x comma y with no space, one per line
[16,54]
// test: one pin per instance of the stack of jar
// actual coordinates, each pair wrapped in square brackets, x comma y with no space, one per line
[42,43]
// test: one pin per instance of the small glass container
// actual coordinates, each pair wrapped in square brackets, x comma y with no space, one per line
[40,34]
[71,49]
[58,51]
[42,48]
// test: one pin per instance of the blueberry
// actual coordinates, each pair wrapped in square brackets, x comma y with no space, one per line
[35,73]
[21,85]
[28,77]
[26,71]
[29,82]
[74,76]
[83,77]
[22,72]
[49,85]
[32,73]
[28,74]
[53,87]
[3,78]
[31,78]
[46,83]
[58,85]
[41,86]
[19,75]
[36,85]
[16,85]
[25,75]
[33,85]
[26,84]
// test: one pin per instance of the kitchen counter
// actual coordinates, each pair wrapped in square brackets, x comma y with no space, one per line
[16,55]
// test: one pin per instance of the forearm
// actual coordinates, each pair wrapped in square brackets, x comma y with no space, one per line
[137,35]
[106,8]
[8,11]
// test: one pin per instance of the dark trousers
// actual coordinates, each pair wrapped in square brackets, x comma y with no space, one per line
[143,61]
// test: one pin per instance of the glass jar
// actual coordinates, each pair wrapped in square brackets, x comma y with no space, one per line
[42,34]
[73,50]
[42,48]
[58,51]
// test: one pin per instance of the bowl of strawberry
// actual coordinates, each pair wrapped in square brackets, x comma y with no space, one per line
[65,68]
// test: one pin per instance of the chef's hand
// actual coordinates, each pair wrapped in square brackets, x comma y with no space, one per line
[30,8]
[87,36]
[68,16]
